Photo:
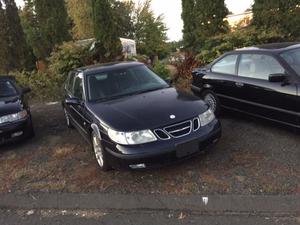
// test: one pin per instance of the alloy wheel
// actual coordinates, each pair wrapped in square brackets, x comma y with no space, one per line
[98,150]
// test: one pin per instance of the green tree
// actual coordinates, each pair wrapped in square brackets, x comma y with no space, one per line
[18,48]
[283,15]
[80,12]
[123,13]
[202,19]
[4,47]
[108,45]
[150,31]
[53,24]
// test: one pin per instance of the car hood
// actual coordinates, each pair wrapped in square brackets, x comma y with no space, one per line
[10,105]
[149,110]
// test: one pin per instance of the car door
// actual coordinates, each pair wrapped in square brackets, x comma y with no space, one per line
[78,111]
[257,95]
[221,78]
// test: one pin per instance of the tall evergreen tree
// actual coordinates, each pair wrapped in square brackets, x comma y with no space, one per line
[4,46]
[283,15]
[189,23]
[80,11]
[18,48]
[53,24]
[203,19]
[105,30]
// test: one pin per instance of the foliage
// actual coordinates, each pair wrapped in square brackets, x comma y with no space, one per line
[80,12]
[67,57]
[283,15]
[161,70]
[184,67]
[4,46]
[44,86]
[202,19]
[46,25]
[216,46]
[150,31]
[123,13]
[15,53]
[108,46]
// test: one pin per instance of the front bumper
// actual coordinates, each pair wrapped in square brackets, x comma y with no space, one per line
[161,152]
[15,131]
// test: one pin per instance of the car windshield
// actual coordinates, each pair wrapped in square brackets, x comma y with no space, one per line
[292,57]
[118,83]
[7,89]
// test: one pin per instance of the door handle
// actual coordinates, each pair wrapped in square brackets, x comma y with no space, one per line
[239,84]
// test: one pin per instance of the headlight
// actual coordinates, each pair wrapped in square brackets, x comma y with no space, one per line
[206,118]
[131,138]
[13,117]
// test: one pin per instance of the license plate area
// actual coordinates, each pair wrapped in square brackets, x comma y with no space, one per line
[186,149]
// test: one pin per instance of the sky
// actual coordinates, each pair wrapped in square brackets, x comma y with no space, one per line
[171,9]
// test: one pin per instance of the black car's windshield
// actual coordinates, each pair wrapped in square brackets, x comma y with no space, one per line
[7,89]
[292,57]
[123,82]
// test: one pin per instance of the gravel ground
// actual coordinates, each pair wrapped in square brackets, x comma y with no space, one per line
[253,157]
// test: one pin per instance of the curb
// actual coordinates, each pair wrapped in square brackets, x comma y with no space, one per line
[216,204]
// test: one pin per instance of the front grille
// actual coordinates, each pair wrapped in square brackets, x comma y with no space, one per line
[178,130]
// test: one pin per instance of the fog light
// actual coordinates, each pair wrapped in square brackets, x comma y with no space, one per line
[138,166]
[17,134]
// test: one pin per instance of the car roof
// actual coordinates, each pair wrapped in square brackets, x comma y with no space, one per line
[272,47]
[107,67]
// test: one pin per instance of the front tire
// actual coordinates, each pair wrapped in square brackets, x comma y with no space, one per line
[212,100]
[68,119]
[100,153]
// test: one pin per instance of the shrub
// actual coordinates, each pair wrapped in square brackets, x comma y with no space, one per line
[184,67]
[67,57]
[218,45]
[161,70]
[44,87]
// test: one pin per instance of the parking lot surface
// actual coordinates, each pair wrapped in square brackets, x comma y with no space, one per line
[253,157]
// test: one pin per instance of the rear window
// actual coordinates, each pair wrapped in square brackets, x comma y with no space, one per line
[7,89]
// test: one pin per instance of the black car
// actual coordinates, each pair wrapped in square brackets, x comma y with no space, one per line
[134,119]
[15,117]
[263,81]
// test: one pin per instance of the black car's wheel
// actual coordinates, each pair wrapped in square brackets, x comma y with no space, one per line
[68,120]
[100,153]
[212,100]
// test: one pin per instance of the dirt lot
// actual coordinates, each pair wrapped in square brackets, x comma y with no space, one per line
[253,157]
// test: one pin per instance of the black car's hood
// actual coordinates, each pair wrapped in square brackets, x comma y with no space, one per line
[10,105]
[149,110]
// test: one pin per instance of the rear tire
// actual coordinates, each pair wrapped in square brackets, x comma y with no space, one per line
[212,100]
[100,153]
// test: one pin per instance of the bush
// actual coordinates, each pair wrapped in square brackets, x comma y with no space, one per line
[44,87]
[218,45]
[161,70]
[67,57]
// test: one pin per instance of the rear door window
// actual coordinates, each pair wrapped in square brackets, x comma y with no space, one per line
[259,66]
[226,65]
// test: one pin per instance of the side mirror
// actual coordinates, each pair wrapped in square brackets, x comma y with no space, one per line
[276,78]
[26,90]
[72,101]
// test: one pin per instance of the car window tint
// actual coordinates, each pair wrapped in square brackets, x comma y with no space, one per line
[259,66]
[7,89]
[78,87]
[225,65]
